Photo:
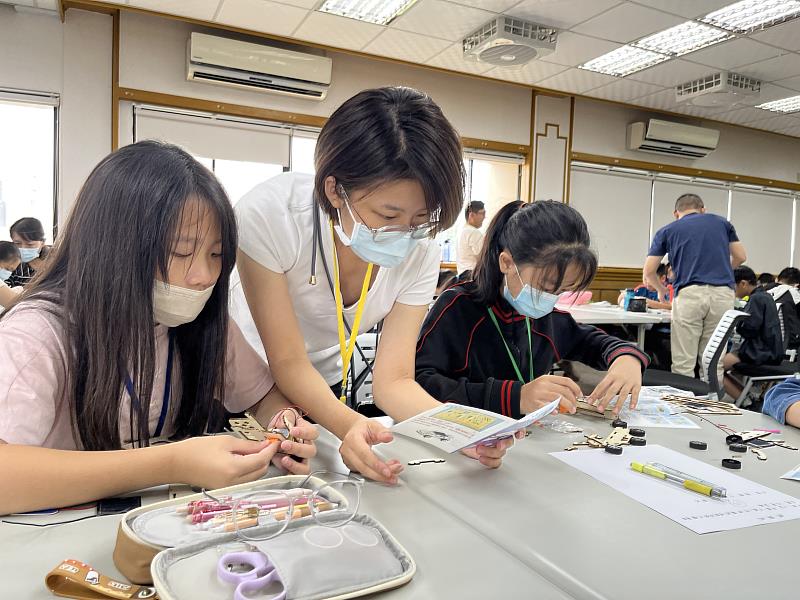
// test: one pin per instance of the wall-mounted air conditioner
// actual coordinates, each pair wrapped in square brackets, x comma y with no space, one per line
[675,139]
[257,67]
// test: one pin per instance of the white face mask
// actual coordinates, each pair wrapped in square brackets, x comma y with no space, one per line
[173,305]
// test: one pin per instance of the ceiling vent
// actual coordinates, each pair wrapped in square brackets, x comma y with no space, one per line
[719,89]
[507,42]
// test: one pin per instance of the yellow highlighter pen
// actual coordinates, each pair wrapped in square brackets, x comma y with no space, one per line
[695,484]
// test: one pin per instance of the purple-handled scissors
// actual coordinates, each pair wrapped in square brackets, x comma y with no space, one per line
[260,574]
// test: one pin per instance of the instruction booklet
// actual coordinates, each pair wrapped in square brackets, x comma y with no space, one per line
[453,427]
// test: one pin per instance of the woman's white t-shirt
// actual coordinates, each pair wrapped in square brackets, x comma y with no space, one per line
[276,229]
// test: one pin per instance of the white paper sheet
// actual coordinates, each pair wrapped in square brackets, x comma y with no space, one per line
[453,427]
[747,503]
[794,474]
[652,411]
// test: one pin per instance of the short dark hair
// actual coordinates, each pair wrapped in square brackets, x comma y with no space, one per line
[29,229]
[387,134]
[661,271]
[473,207]
[688,202]
[9,251]
[765,278]
[545,233]
[745,274]
[789,275]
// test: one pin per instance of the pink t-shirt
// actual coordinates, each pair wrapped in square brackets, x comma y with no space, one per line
[34,409]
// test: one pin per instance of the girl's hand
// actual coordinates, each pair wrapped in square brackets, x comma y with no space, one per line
[624,378]
[305,449]
[219,461]
[492,456]
[545,389]
[356,451]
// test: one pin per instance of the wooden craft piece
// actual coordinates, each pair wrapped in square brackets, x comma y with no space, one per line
[250,429]
[759,454]
[702,406]
[583,407]
[619,436]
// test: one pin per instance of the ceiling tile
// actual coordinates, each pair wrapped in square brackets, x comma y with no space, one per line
[337,31]
[196,9]
[627,22]
[671,73]
[793,83]
[770,92]
[309,4]
[786,35]
[442,19]
[573,49]
[733,53]
[664,100]
[531,73]
[741,116]
[624,90]
[560,13]
[774,122]
[260,15]
[773,69]
[576,81]
[453,59]
[498,6]
[794,130]
[406,46]
[685,8]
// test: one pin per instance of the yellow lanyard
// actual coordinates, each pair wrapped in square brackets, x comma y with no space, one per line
[346,348]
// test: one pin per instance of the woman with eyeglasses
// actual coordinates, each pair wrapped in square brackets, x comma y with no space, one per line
[324,257]
[492,341]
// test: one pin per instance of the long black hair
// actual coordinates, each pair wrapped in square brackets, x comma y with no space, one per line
[99,282]
[547,234]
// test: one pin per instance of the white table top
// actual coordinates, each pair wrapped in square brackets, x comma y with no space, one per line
[536,528]
[592,314]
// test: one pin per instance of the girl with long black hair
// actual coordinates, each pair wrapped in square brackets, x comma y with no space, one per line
[125,337]
[491,342]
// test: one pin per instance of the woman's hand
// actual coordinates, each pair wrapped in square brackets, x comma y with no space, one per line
[543,390]
[304,449]
[492,456]
[356,451]
[624,378]
[219,461]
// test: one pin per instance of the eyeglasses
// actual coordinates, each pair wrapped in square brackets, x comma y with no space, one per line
[332,500]
[387,233]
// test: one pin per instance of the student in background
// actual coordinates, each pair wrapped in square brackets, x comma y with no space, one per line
[28,235]
[786,294]
[761,331]
[110,349]
[492,341]
[389,176]
[470,241]
[9,261]
[648,291]
[766,279]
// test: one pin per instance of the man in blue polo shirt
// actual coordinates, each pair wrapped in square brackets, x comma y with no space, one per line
[703,249]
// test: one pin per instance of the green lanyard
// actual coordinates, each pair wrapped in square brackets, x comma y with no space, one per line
[508,350]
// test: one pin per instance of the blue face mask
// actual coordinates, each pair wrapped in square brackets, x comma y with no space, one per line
[530,302]
[391,250]
[28,254]
[4,274]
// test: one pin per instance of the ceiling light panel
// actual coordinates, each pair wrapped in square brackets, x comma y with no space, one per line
[379,12]
[682,39]
[785,105]
[624,61]
[749,15]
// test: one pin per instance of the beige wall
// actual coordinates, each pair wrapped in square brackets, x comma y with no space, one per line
[153,57]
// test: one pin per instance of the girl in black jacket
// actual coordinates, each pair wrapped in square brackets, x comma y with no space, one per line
[491,342]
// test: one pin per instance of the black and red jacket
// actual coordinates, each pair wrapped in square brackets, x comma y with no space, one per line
[461,358]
